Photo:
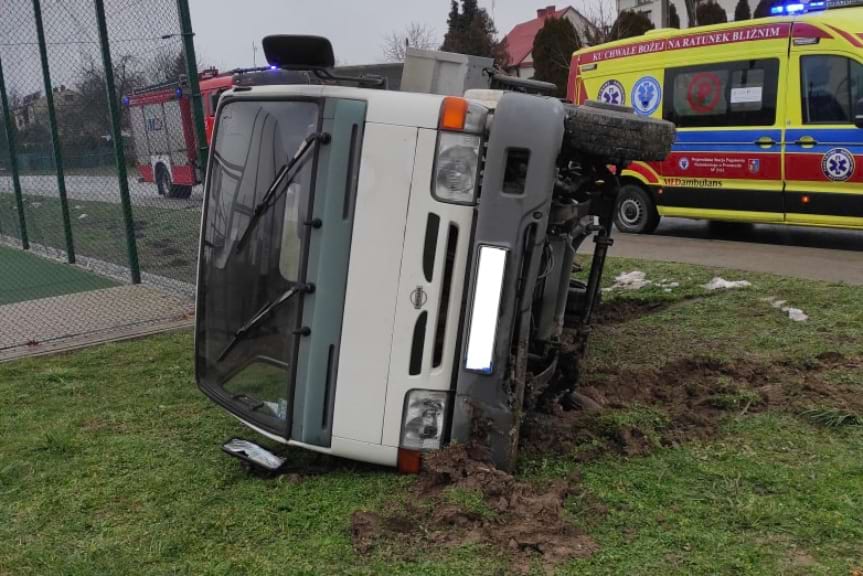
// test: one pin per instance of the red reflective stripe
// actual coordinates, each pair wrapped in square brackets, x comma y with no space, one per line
[804,30]
[851,39]
[724,165]
[642,169]
[582,92]
[733,36]
[807,167]
[571,81]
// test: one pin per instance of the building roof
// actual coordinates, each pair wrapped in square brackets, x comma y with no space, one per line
[519,42]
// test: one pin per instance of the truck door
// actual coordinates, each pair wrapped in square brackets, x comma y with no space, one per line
[726,162]
[823,147]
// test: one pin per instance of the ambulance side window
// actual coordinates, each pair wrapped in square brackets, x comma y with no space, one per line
[829,87]
[724,94]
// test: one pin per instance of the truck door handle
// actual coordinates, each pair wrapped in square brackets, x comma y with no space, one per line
[806,142]
[765,141]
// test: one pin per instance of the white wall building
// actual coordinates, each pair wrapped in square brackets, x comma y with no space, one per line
[657,10]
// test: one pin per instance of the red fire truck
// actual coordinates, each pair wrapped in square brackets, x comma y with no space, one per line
[163,131]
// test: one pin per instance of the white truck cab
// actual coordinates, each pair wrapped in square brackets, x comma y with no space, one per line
[379,270]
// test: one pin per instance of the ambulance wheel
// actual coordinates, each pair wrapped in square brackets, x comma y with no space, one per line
[617,135]
[635,213]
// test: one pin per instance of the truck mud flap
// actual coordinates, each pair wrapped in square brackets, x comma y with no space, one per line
[517,187]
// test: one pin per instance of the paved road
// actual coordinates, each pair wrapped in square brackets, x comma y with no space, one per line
[99,188]
[813,253]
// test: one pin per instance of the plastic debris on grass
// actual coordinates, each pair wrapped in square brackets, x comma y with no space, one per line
[795,314]
[636,280]
[719,283]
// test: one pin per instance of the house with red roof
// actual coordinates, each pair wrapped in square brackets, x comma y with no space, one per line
[519,42]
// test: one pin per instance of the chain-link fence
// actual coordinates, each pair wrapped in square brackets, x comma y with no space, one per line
[101,142]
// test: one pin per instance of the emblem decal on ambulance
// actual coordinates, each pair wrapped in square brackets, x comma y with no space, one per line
[754,165]
[683,163]
[612,92]
[838,164]
[646,95]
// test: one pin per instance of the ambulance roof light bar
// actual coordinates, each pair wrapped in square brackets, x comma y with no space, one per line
[797,7]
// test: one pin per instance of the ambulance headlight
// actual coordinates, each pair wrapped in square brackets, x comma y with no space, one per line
[423,419]
[457,167]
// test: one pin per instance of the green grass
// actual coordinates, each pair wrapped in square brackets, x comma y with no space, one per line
[109,463]
[26,276]
[167,237]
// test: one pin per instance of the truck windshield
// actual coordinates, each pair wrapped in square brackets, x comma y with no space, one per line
[240,277]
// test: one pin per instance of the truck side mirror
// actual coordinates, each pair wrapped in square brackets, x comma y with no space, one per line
[858,113]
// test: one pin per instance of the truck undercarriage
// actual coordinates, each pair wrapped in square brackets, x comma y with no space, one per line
[549,184]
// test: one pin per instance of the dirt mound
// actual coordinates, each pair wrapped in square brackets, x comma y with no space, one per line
[645,408]
[623,310]
[460,499]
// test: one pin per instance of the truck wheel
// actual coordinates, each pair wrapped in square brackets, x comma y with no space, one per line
[636,212]
[616,134]
[180,192]
[163,180]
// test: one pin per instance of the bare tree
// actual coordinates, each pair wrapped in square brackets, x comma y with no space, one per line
[415,35]
[601,18]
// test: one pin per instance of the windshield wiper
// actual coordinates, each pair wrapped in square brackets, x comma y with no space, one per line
[271,195]
[263,313]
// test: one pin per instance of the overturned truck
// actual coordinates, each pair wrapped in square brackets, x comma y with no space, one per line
[383,273]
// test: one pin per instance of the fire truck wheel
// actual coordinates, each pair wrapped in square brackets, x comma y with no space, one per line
[636,212]
[617,135]
[181,192]
[163,180]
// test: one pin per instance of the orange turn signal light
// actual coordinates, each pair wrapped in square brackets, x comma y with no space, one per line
[453,113]
[805,199]
[410,461]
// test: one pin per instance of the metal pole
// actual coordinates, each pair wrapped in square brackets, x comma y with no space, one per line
[192,71]
[55,136]
[117,138]
[13,161]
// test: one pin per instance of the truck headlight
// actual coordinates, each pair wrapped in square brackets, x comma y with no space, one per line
[457,167]
[423,419]
[485,309]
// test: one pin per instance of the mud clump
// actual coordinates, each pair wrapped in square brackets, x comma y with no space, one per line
[461,498]
[623,310]
[641,409]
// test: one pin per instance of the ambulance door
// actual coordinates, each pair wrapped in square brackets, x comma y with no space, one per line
[726,162]
[823,147]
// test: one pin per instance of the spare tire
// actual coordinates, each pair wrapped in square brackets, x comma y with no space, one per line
[616,134]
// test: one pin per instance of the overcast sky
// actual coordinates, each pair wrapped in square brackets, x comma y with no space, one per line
[225,29]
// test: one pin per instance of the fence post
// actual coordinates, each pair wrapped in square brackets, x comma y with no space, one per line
[55,136]
[192,71]
[117,138]
[13,161]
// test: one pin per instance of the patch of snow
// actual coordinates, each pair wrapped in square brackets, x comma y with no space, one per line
[795,314]
[82,216]
[35,204]
[719,283]
[634,280]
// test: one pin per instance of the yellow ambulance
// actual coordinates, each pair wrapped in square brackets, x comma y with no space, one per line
[769,115]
